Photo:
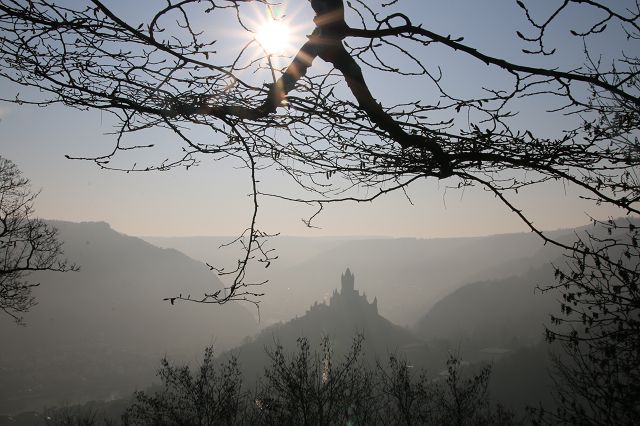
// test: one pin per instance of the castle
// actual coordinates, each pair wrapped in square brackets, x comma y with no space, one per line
[349,297]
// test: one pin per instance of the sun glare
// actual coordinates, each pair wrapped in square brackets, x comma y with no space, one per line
[273,36]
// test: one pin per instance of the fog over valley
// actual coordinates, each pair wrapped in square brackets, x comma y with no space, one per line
[99,333]
[319,213]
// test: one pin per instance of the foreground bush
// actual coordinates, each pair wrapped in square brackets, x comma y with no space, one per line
[315,388]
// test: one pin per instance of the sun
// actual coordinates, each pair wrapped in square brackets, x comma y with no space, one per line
[274,36]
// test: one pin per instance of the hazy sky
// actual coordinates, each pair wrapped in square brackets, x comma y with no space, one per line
[212,199]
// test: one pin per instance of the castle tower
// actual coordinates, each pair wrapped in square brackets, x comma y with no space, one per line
[350,298]
[347,283]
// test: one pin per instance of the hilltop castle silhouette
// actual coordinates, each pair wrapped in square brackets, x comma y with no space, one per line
[349,297]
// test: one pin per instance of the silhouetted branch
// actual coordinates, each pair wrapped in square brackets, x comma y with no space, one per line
[326,128]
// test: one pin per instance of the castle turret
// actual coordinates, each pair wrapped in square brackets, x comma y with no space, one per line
[347,283]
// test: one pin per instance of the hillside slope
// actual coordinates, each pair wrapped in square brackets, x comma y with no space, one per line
[345,315]
[99,332]
[506,313]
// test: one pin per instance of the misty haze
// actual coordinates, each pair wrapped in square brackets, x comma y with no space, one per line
[254,212]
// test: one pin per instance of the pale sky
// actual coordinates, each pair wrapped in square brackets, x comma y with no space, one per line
[212,199]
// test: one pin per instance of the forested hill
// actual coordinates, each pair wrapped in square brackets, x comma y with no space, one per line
[345,315]
[507,313]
